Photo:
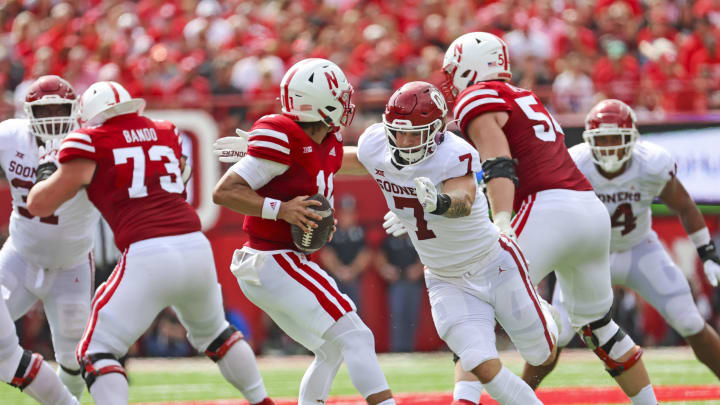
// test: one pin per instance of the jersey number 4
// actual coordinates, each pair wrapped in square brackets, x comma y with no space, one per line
[623,217]
[156,153]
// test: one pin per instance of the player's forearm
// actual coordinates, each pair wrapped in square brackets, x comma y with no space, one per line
[351,164]
[691,218]
[460,204]
[239,198]
[501,192]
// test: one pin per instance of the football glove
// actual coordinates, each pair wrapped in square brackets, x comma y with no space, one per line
[502,222]
[426,193]
[392,224]
[47,161]
[711,262]
[231,149]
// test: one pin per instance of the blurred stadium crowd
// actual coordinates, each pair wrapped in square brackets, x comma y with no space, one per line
[660,56]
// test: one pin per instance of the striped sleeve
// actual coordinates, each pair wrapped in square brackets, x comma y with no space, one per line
[76,145]
[476,101]
[269,144]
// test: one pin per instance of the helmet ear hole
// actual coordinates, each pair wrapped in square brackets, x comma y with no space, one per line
[330,108]
[465,74]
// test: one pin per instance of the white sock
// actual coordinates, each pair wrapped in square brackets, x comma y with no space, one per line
[74,383]
[47,389]
[238,366]
[509,389]
[390,401]
[468,390]
[111,388]
[646,396]
[318,378]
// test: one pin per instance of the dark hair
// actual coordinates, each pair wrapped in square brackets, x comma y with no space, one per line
[311,126]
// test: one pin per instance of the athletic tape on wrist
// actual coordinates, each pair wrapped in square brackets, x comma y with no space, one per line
[700,238]
[270,209]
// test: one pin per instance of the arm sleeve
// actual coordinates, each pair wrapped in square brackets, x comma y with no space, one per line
[258,172]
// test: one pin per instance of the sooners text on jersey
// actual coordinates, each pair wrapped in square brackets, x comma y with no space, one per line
[59,240]
[312,167]
[536,139]
[137,185]
[628,196]
[444,245]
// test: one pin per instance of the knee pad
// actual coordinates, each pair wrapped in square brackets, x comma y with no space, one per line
[686,320]
[91,371]
[27,370]
[609,342]
[218,347]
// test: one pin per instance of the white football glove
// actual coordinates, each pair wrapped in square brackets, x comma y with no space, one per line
[231,149]
[712,271]
[502,222]
[48,159]
[392,224]
[426,193]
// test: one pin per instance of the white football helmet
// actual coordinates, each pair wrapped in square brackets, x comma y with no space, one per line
[611,118]
[472,58]
[51,107]
[104,100]
[317,90]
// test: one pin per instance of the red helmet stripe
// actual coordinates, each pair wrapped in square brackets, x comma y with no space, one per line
[115,92]
[286,88]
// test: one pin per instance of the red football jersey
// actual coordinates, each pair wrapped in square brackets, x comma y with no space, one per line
[137,185]
[536,139]
[312,168]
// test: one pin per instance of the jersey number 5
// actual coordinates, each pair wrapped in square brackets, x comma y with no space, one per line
[548,129]
[623,217]
[137,188]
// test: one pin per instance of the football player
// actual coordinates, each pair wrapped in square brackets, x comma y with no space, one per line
[289,157]
[47,258]
[132,169]
[560,224]
[473,274]
[628,174]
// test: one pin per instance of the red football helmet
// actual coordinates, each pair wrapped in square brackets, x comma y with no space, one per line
[610,118]
[51,106]
[416,107]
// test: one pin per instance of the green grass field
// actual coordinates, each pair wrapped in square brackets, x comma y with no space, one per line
[198,379]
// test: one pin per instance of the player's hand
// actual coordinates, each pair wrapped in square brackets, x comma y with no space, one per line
[502,222]
[297,212]
[392,225]
[711,263]
[712,271]
[426,193]
[332,233]
[231,149]
[47,159]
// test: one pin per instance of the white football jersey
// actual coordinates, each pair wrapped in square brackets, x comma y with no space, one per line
[628,196]
[445,245]
[60,240]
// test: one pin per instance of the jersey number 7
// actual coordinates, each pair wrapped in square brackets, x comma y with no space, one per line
[422,230]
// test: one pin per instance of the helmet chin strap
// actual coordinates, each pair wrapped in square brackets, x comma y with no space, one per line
[611,163]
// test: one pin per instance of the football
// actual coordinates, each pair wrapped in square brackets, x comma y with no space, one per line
[309,242]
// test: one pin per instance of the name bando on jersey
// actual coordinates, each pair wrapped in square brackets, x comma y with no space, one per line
[445,245]
[54,241]
[628,197]
[312,167]
[535,138]
[137,185]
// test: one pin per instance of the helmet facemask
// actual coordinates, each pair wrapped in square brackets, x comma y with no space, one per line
[406,156]
[610,157]
[52,117]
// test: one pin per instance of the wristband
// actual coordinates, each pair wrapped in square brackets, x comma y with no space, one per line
[700,238]
[270,209]
[443,204]
[708,252]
